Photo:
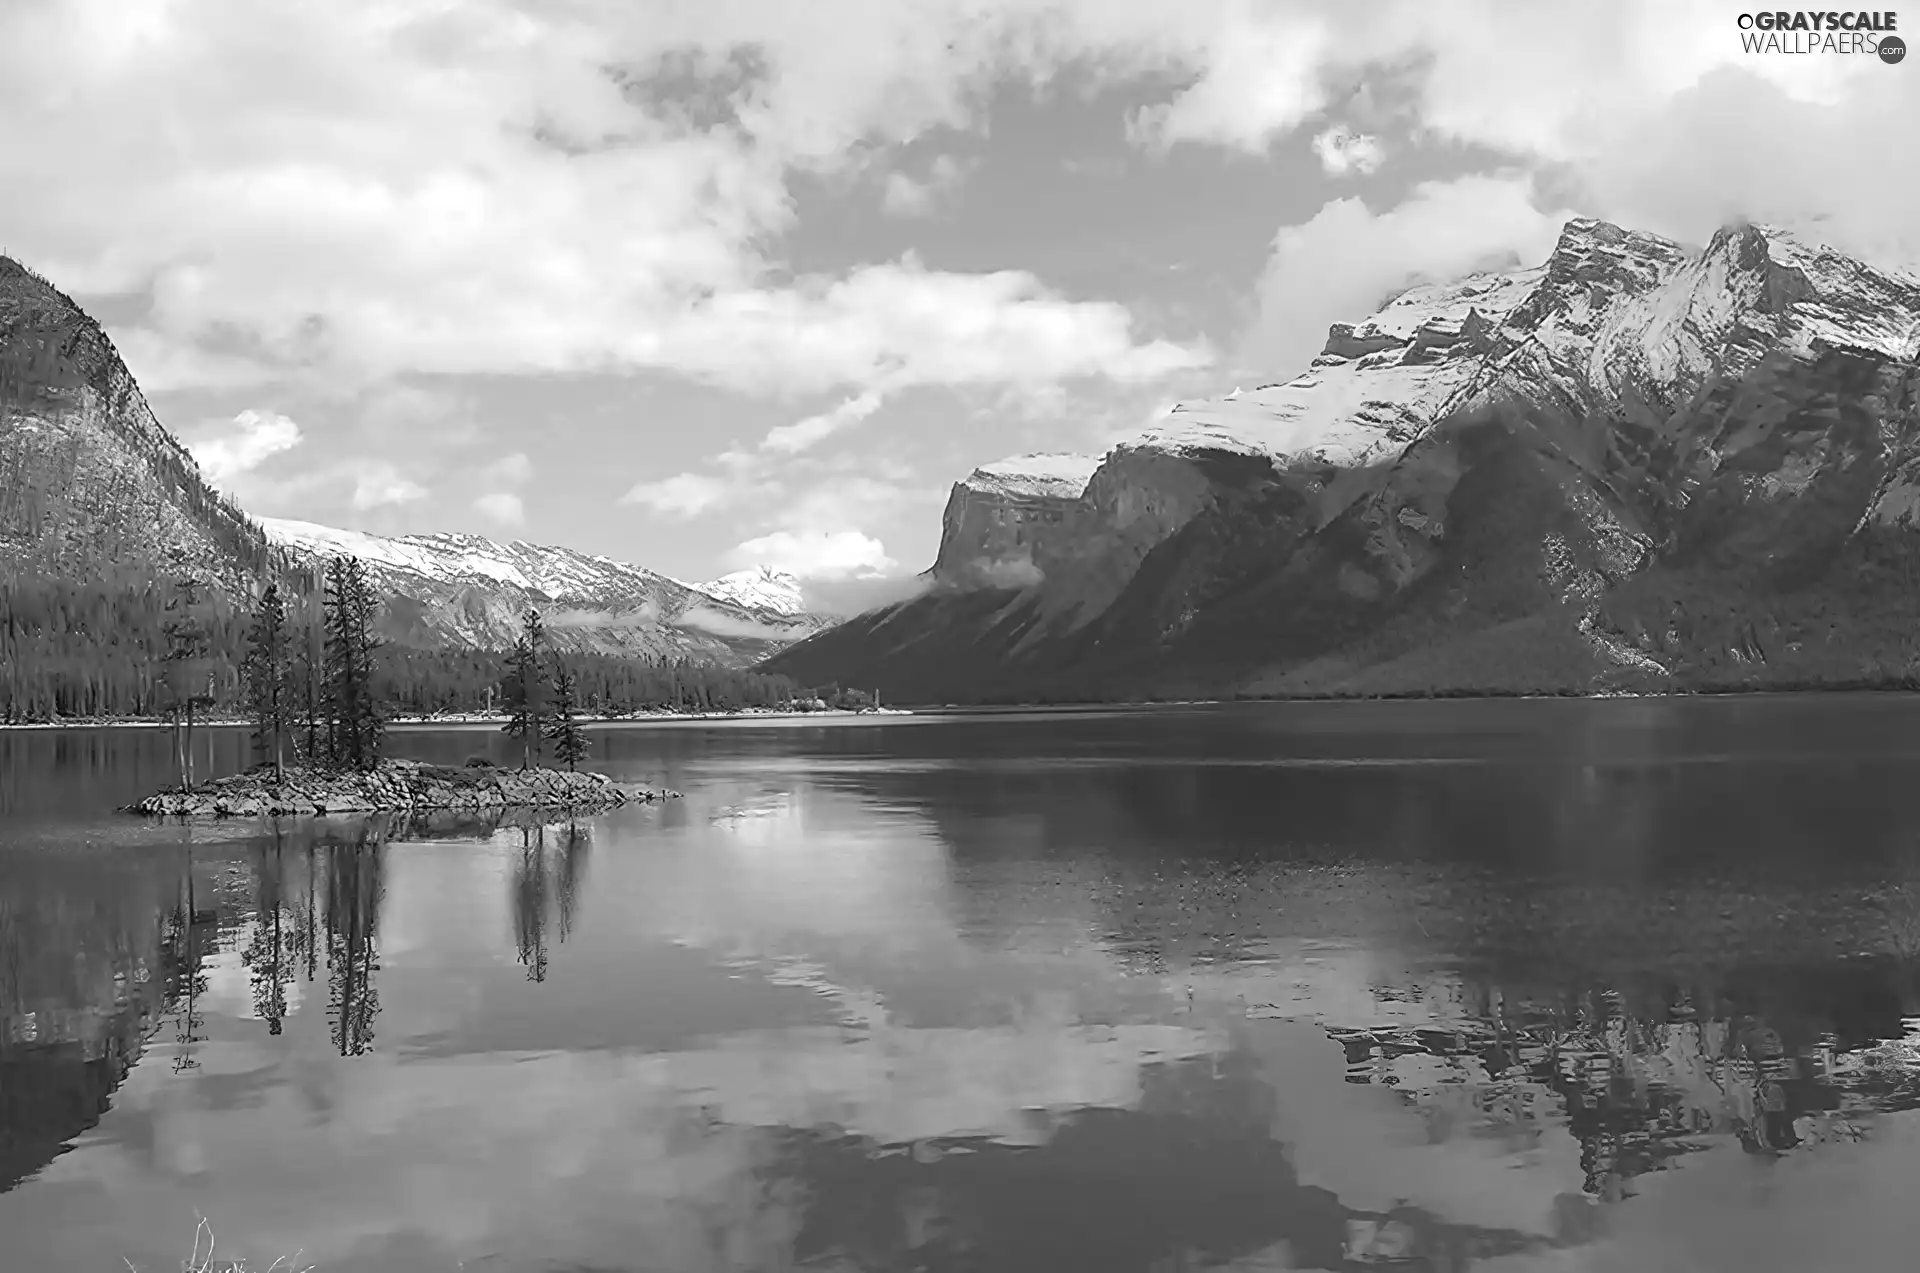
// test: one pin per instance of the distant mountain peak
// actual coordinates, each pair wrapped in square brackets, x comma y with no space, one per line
[468,589]
[759,587]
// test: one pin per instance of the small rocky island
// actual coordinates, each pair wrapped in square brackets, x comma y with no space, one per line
[395,786]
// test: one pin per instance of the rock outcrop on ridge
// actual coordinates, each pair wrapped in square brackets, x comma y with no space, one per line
[1633,466]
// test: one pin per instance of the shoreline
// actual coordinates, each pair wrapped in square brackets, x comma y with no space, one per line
[473,719]
[453,719]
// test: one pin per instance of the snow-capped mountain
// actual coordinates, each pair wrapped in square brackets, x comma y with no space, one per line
[1540,478]
[760,588]
[469,590]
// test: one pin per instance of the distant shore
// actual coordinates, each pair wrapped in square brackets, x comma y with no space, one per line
[480,718]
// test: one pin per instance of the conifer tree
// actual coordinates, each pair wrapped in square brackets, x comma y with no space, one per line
[354,726]
[523,690]
[569,743]
[185,671]
[268,671]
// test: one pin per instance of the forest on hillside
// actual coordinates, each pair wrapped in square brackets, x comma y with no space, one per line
[73,650]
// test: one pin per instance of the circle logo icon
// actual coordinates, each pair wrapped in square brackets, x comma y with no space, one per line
[1891,49]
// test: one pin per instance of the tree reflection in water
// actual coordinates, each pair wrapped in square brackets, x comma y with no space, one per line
[546,889]
[355,890]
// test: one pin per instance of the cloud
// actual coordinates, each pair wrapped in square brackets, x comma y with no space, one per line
[900,324]
[503,507]
[1341,151]
[162,365]
[644,615]
[378,484]
[843,597]
[238,448]
[903,196]
[802,434]
[682,495]
[500,187]
[1340,264]
[509,470]
[841,554]
[1007,572]
[1737,147]
[726,625]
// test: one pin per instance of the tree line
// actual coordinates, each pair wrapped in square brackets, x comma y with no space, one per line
[306,657]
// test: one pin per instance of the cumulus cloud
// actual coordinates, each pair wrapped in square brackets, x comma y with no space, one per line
[1340,264]
[901,324]
[842,554]
[503,507]
[1341,150]
[682,495]
[239,447]
[476,188]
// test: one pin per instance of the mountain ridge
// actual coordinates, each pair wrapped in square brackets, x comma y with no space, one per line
[95,490]
[1508,461]
[466,589]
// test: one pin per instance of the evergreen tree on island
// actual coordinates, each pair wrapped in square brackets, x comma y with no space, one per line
[563,731]
[353,720]
[268,672]
[523,691]
[185,668]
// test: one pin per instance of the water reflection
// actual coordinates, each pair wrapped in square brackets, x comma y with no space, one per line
[943,1018]
[546,889]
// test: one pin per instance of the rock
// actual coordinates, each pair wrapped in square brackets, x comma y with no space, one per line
[397,786]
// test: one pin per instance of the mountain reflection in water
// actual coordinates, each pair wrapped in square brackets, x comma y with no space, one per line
[928,1017]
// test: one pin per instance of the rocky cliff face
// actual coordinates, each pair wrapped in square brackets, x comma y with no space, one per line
[465,590]
[1530,480]
[91,485]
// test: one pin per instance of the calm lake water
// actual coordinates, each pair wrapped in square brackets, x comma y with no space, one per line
[1621,985]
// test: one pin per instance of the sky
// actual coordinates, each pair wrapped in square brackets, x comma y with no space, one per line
[709,284]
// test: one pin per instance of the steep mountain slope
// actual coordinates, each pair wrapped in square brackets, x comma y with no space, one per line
[91,485]
[464,590]
[1630,466]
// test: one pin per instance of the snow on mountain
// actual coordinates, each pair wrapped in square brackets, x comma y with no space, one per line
[1582,447]
[1050,474]
[761,588]
[469,590]
[561,573]
[1377,383]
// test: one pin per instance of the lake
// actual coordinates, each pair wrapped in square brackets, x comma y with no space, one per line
[1495,985]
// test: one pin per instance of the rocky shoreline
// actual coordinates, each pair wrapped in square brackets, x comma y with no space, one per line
[396,786]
